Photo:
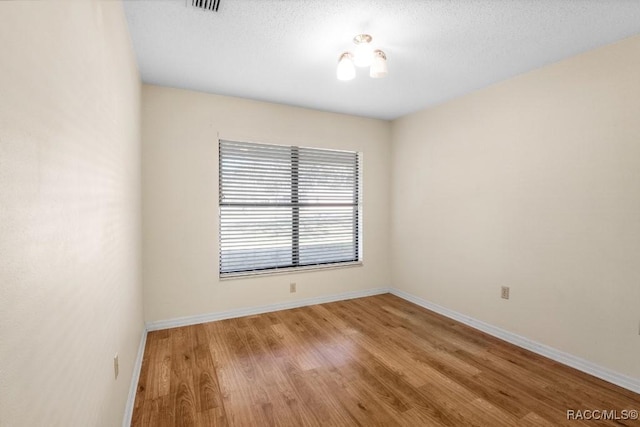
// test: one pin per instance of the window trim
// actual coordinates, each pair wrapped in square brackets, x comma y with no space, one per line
[292,269]
[278,271]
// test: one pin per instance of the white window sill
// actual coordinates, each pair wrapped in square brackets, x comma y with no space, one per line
[289,270]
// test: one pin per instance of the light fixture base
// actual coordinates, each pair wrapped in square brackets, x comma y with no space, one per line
[380,53]
[362,38]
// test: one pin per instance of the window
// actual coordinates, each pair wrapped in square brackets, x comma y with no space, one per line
[284,207]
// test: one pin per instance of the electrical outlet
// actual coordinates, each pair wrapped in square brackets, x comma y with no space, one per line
[116,367]
[292,288]
[504,293]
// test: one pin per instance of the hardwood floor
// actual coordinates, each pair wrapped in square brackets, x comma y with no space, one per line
[370,361]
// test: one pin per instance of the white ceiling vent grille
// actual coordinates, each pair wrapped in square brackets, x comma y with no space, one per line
[211,5]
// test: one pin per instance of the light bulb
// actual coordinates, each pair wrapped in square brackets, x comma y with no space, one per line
[379,65]
[345,70]
[363,54]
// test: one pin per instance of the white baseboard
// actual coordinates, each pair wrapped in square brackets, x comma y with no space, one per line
[590,368]
[249,311]
[135,376]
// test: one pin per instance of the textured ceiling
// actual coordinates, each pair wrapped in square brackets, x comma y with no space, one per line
[286,51]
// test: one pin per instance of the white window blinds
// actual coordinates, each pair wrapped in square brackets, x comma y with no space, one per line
[283,207]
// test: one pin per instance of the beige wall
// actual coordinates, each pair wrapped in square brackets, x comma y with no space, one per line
[180,199]
[70,287]
[533,183]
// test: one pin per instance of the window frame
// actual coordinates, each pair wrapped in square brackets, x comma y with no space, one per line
[295,221]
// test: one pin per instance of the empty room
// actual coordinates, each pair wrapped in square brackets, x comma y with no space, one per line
[319,213]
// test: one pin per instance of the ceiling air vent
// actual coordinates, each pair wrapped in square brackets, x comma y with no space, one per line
[211,5]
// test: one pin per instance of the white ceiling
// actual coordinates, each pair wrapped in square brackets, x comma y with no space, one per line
[286,51]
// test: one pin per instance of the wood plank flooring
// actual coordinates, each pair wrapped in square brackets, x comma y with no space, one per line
[369,361]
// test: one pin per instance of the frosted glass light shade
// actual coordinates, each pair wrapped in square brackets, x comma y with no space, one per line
[345,70]
[363,53]
[379,65]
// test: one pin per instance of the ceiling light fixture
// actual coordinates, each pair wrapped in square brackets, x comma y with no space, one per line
[364,56]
